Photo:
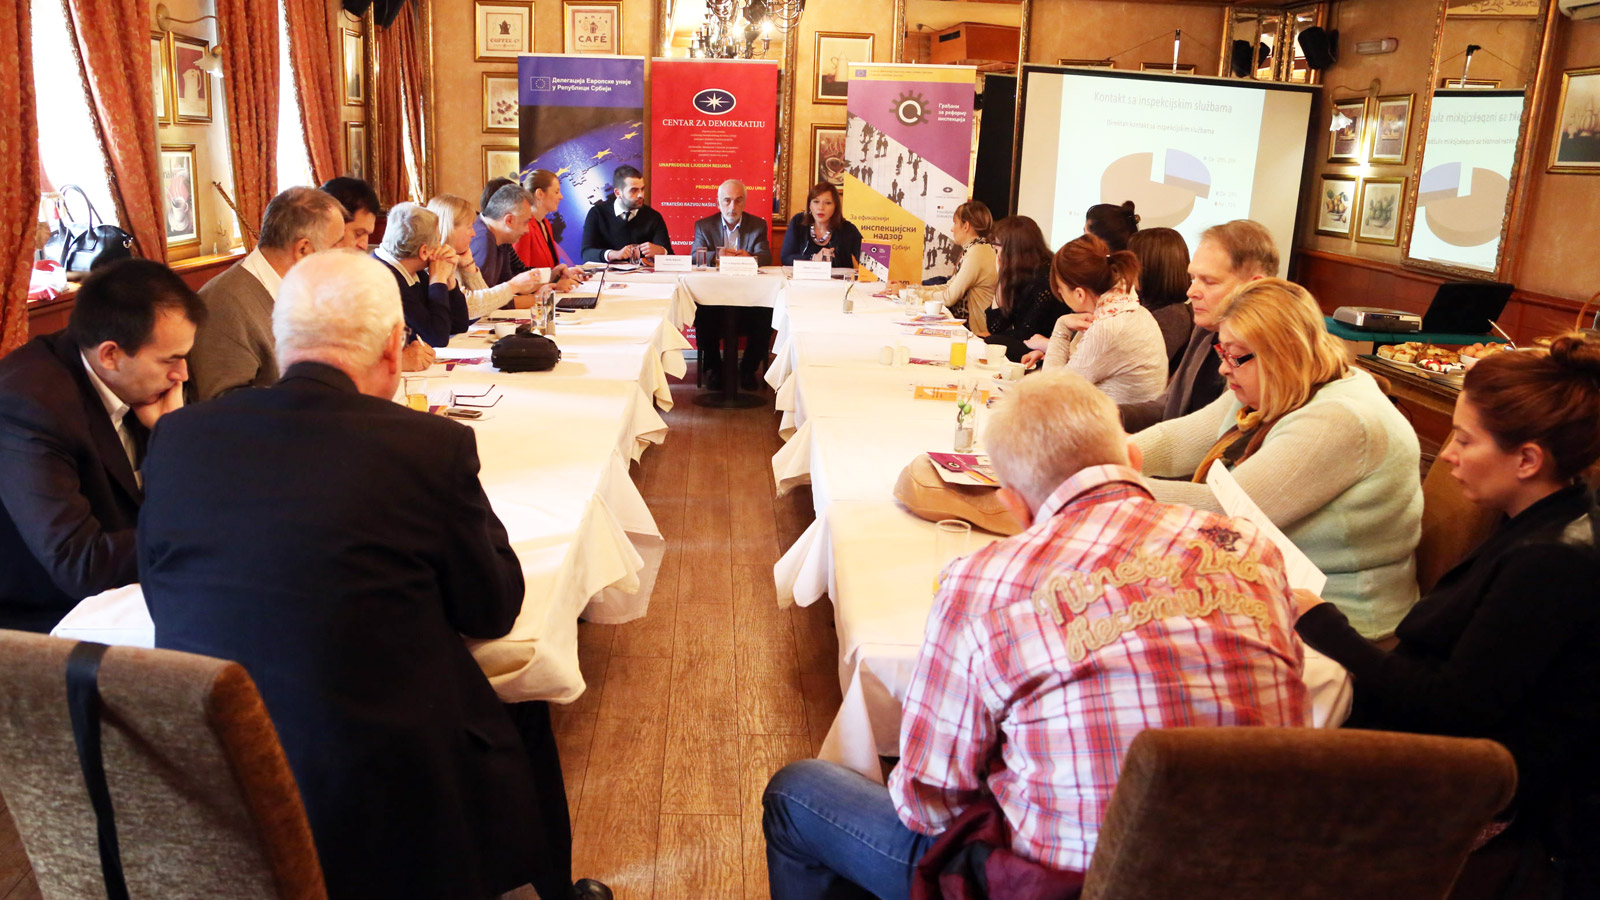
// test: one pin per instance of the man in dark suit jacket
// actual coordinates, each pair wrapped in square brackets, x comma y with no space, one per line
[338,546]
[733,232]
[75,412]
[625,229]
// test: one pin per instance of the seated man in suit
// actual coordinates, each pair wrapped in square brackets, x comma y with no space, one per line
[733,232]
[234,347]
[411,246]
[75,412]
[625,229]
[500,224]
[1045,654]
[349,614]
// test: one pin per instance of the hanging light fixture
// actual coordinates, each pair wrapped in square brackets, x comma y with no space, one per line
[732,28]
[211,62]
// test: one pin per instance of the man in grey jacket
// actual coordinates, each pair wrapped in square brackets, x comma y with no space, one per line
[733,232]
[234,347]
[1229,255]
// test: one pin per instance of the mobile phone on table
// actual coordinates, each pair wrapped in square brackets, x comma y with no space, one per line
[457,412]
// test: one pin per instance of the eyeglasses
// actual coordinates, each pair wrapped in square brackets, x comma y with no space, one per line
[1233,362]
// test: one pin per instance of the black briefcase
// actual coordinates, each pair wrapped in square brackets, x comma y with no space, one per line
[524,352]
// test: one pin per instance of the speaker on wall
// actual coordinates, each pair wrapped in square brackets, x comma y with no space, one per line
[1320,46]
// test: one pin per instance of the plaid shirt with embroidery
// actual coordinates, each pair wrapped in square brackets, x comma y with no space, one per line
[1047,652]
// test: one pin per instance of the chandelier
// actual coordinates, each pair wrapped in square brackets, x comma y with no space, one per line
[733,27]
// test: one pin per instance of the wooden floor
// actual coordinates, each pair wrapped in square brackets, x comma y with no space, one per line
[690,709]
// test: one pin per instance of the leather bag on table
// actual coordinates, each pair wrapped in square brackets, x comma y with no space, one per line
[524,352]
[78,246]
[928,496]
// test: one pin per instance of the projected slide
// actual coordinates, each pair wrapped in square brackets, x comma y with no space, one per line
[1466,178]
[1189,153]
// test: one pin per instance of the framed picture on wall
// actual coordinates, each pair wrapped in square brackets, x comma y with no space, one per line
[1336,202]
[1478,84]
[161,76]
[354,77]
[499,103]
[1576,148]
[1086,63]
[177,195]
[1182,69]
[1380,209]
[1345,144]
[592,28]
[835,51]
[1493,9]
[1391,129]
[355,150]
[501,161]
[827,155]
[501,29]
[191,84]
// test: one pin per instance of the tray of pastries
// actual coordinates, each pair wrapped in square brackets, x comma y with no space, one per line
[1438,362]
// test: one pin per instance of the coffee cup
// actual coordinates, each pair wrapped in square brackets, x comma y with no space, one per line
[994,354]
[505,329]
[932,307]
[1013,371]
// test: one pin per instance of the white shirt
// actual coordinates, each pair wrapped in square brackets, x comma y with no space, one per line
[257,265]
[409,276]
[623,212]
[730,233]
[118,411]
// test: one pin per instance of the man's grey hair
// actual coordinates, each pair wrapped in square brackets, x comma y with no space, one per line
[411,227]
[338,307]
[505,201]
[1048,428]
[300,212]
[730,183]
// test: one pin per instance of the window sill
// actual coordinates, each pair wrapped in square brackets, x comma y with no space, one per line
[201,262]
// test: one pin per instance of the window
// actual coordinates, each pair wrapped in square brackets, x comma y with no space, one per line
[69,152]
[294,167]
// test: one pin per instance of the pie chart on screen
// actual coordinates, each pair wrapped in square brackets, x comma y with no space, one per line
[1463,209]
[1164,200]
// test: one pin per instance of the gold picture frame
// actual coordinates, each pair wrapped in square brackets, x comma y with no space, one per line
[1389,132]
[355,150]
[1336,205]
[180,214]
[500,102]
[161,77]
[501,29]
[1086,63]
[1492,9]
[1471,84]
[353,71]
[1380,210]
[191,85]
[835,50]
[1575,146]
[1345,144]
[495,159]
[1182,69]
[592,27]
[821,152]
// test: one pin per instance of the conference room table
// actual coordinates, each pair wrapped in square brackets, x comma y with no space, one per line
[555,449]
[851,425]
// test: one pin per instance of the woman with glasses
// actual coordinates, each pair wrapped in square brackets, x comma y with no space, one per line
[1315,444]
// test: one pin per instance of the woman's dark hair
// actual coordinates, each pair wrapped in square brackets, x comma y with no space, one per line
[817,190]
[1088,263]
[1163,267]
[1550,398]
[1023,259]
[1112,224]
[977,216]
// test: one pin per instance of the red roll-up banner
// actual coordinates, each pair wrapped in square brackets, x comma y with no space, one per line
[711,120]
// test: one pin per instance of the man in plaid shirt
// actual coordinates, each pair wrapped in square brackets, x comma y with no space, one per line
[1045,654]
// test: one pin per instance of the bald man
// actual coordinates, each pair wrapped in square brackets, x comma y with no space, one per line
[733,232]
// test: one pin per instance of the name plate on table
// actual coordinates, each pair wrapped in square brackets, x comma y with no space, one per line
[674,263]
[737,265]
[813,270]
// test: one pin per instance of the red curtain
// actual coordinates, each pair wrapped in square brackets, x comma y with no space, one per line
[111,40]
[19,172]
[314,59]
[398,102]
[250,65]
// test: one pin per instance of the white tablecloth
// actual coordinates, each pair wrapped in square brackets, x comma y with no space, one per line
[853,426]
[555,451]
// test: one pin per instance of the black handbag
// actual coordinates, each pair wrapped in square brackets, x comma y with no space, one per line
[524,352]
[78,246]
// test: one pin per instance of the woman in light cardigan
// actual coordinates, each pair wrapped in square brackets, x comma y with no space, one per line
[969,292]
[1109,338]
[1316,445]
[520,292]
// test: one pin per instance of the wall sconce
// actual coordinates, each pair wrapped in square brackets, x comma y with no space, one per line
[211,62]
[1340,121]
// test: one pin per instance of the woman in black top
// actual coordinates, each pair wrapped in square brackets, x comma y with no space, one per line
[1164,286]
[1025,310]
[822,232]
[1507,646]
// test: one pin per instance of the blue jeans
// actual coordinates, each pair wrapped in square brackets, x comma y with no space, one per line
[832,834]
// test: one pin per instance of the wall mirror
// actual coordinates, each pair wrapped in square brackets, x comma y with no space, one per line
[1264,44]
[1468,179]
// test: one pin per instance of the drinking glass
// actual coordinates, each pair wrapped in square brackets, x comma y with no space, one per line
[416,391]
[949,541]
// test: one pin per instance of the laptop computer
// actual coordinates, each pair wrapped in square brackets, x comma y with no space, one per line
[1466,307]
[577,301]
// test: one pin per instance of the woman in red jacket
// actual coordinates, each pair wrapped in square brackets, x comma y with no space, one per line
[537,248]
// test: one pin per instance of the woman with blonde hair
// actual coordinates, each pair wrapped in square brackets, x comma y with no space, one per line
[455,226]
[969,292]
[1315,444]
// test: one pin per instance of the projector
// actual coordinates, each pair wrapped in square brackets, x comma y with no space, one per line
[1369,318]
